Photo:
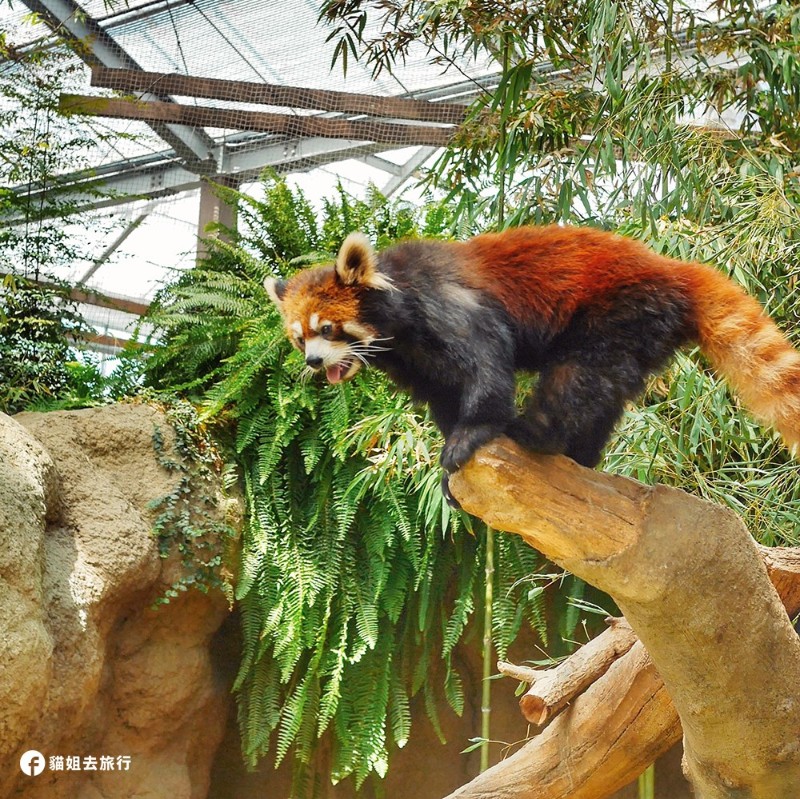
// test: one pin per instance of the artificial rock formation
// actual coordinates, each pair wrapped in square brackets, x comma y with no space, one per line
[88,667]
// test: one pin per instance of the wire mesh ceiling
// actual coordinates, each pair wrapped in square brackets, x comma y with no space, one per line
[277,43]
[174,91]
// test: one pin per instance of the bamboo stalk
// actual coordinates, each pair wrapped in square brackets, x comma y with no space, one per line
[488,660]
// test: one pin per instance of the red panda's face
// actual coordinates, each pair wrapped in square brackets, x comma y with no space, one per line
[321,308]
[322,322]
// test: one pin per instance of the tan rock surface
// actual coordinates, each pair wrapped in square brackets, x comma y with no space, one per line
[87,667]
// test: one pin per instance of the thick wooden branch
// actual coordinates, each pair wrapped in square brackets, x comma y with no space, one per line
[551,689]
[240,91]
[783,567]
[239,119]
[607,736]
[692,584]
[622,756]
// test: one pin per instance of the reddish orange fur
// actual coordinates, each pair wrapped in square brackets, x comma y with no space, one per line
[746,346]
[318,291]
[582,266]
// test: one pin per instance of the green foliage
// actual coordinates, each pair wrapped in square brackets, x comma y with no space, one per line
[90,381]
[189,521]
[356,577]
[35,323]
[38,322]
[36,145]
[589,123]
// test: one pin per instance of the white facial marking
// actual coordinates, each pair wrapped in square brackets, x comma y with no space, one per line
[313,322]
[330,352]
[296,328]
[357,331]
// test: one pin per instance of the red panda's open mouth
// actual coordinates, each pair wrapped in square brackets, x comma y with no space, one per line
[341,371]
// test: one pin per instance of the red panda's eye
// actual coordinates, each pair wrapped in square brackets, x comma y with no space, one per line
[300,341]
[326,329]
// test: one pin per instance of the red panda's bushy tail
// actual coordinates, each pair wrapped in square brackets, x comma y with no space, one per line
[746,347]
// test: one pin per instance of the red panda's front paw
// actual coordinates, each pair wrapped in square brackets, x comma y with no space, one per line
[462,443]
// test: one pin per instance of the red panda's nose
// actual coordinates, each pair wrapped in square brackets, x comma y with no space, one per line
[314,361]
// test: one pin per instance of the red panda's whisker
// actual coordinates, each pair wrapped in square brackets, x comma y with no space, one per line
[362,353]
[361,356]
[367,348]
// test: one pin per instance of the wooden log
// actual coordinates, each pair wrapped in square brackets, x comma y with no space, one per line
[606,737]
[597,769]
[783,568]
[237,119]
[552,689]
[239,91]
[636,723]
[693,585]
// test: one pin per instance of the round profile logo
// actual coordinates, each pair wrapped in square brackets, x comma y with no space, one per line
[32,763]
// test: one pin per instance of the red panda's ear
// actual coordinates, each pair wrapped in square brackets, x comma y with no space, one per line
[357,264]
[276,289]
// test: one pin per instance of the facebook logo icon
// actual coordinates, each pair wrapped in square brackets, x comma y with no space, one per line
[32,763]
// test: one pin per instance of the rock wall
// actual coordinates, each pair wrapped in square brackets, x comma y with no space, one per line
[88,669]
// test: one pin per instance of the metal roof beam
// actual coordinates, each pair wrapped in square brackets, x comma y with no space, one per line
[86,295]
[154,176]
[97,48]
[86,191]
[113,247]
[376,162]
[396,182]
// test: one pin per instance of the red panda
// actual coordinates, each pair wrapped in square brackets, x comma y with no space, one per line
[593,312]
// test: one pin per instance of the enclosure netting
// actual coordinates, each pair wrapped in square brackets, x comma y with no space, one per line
[191,88]
[274,51]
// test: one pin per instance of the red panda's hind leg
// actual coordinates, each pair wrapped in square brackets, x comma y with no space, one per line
[575,407]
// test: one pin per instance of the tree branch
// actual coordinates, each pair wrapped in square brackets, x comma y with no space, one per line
[693,585]
[551,689]
[607,735]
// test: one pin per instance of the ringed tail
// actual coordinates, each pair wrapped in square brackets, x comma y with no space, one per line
[746,347]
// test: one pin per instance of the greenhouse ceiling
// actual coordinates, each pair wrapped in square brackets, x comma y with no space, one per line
[200,91]
[279,45]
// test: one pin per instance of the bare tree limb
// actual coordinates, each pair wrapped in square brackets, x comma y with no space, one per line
[610,733]
[551,689]
[598,760]
[522,673]
[693,585]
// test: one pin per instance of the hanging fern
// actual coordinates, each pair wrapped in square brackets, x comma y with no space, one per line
[356,578]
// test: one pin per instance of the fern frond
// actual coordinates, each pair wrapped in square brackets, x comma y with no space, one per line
[348,550]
